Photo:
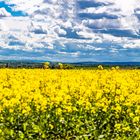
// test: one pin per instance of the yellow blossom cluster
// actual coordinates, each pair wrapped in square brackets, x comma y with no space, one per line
[103,101]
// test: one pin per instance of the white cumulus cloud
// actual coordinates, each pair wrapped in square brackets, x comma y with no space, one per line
[56,27]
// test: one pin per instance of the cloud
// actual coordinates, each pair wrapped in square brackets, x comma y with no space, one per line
[4,13]
[99,30]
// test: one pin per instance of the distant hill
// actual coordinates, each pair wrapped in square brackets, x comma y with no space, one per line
[107,63]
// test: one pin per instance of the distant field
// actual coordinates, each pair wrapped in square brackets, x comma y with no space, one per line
[69,104]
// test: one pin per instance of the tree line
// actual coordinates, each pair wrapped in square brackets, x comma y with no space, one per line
[43,65]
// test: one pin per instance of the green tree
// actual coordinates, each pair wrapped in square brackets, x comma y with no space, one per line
[68,66]
[46,65]
[100,67]
[60,65]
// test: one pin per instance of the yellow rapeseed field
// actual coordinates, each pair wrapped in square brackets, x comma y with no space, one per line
[69,104]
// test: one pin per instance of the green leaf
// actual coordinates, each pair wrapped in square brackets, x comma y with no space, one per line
[21,135]
[11,119]
[11,132]
[24,126]
[101,137]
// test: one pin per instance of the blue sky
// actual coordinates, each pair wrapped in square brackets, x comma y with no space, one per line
[71,31]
